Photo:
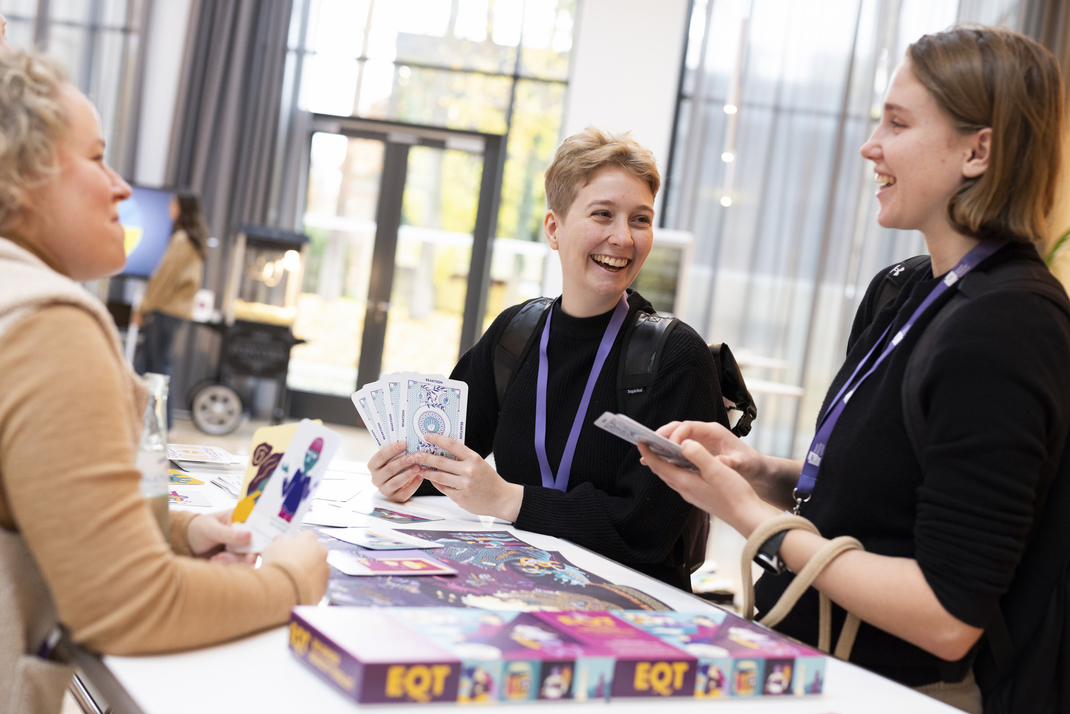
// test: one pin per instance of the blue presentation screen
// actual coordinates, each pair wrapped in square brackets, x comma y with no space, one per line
[146,219]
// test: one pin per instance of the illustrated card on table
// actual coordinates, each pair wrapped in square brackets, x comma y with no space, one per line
[399,517]
[188,498]
[382,539]
[198,454]
[184,478]
[289,490]
[401,562]
[432,406]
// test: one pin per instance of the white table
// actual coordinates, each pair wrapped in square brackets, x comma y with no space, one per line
[258,673]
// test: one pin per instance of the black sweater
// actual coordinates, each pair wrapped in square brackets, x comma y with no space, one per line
[614,505]
[996,396]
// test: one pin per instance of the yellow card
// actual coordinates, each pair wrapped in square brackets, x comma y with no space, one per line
[184,478]
[269,444]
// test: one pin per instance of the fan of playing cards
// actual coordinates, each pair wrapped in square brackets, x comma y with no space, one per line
[405,406]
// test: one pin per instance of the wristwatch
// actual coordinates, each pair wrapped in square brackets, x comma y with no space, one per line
[768,555]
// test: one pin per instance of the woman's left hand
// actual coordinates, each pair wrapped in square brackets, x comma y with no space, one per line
[470,482]
[716,489]
[209,535]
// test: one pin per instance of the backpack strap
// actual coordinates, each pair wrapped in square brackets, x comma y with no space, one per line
[733,388]
[516,342]
[644,343]
[895,279]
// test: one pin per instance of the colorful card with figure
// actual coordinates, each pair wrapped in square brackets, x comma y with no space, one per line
[188,498]
[432,405]
[382,539]
[184,478]
[401,562]
[288,492]
[269,444]
[388,514]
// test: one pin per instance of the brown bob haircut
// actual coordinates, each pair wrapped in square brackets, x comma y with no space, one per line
[991,77]
[582,154]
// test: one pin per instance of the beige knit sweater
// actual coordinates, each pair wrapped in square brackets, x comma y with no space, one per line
[70,421]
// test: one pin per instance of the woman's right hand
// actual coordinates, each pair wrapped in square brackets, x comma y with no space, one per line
[304,551]
[395,473]
[771,477]
[719,441]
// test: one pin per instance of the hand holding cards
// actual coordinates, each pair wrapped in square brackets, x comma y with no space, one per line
[287,492]
[632,431]
[405,406]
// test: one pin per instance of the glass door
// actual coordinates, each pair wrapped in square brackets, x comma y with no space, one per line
[395,280]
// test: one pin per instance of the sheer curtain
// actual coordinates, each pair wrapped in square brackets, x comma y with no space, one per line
[776,99]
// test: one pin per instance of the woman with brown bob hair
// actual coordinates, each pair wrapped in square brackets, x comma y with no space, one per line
[78,543]
[967,152]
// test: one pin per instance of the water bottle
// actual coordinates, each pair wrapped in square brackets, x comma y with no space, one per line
[152,452]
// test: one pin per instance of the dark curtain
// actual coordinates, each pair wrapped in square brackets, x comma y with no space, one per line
[223,143]
[223,146]
[1048,22]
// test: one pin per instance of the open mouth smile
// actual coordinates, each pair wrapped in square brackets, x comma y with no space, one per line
[610,263]
[883,181]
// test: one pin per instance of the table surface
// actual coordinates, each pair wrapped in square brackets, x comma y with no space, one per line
[258,673]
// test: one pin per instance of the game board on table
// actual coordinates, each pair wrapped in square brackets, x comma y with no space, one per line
[495,570]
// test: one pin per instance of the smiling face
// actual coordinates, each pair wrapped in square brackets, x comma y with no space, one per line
[75,214]
[920,159]
[603,240]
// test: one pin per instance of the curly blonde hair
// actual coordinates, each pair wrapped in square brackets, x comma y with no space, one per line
[582,154]
[32,119]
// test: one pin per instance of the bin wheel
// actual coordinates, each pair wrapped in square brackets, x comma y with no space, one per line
[216,409]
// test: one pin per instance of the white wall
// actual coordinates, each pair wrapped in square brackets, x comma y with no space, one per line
[163,67]
[626,59]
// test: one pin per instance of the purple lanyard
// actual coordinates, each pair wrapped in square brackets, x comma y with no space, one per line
[563,469]
[812,463]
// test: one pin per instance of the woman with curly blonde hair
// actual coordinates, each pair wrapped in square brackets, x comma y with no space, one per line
[78,544]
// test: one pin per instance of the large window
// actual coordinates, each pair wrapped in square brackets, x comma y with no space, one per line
[494,66]
[97,42]
[489,66]
[777,97]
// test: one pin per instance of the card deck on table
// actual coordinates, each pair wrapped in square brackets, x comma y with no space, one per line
[380,538]
[406,406]
[399,562]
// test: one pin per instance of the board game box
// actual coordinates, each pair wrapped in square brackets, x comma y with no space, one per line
[469,655]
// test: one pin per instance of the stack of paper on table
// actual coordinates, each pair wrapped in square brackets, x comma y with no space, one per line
[407,655]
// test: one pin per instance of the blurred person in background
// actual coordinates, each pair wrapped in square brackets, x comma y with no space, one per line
[172,289]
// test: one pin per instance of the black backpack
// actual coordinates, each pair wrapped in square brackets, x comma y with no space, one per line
[643,341]
[1023,662]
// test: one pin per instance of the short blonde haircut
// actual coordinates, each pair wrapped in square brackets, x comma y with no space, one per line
[32,119]
[991,77]
[581,155]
